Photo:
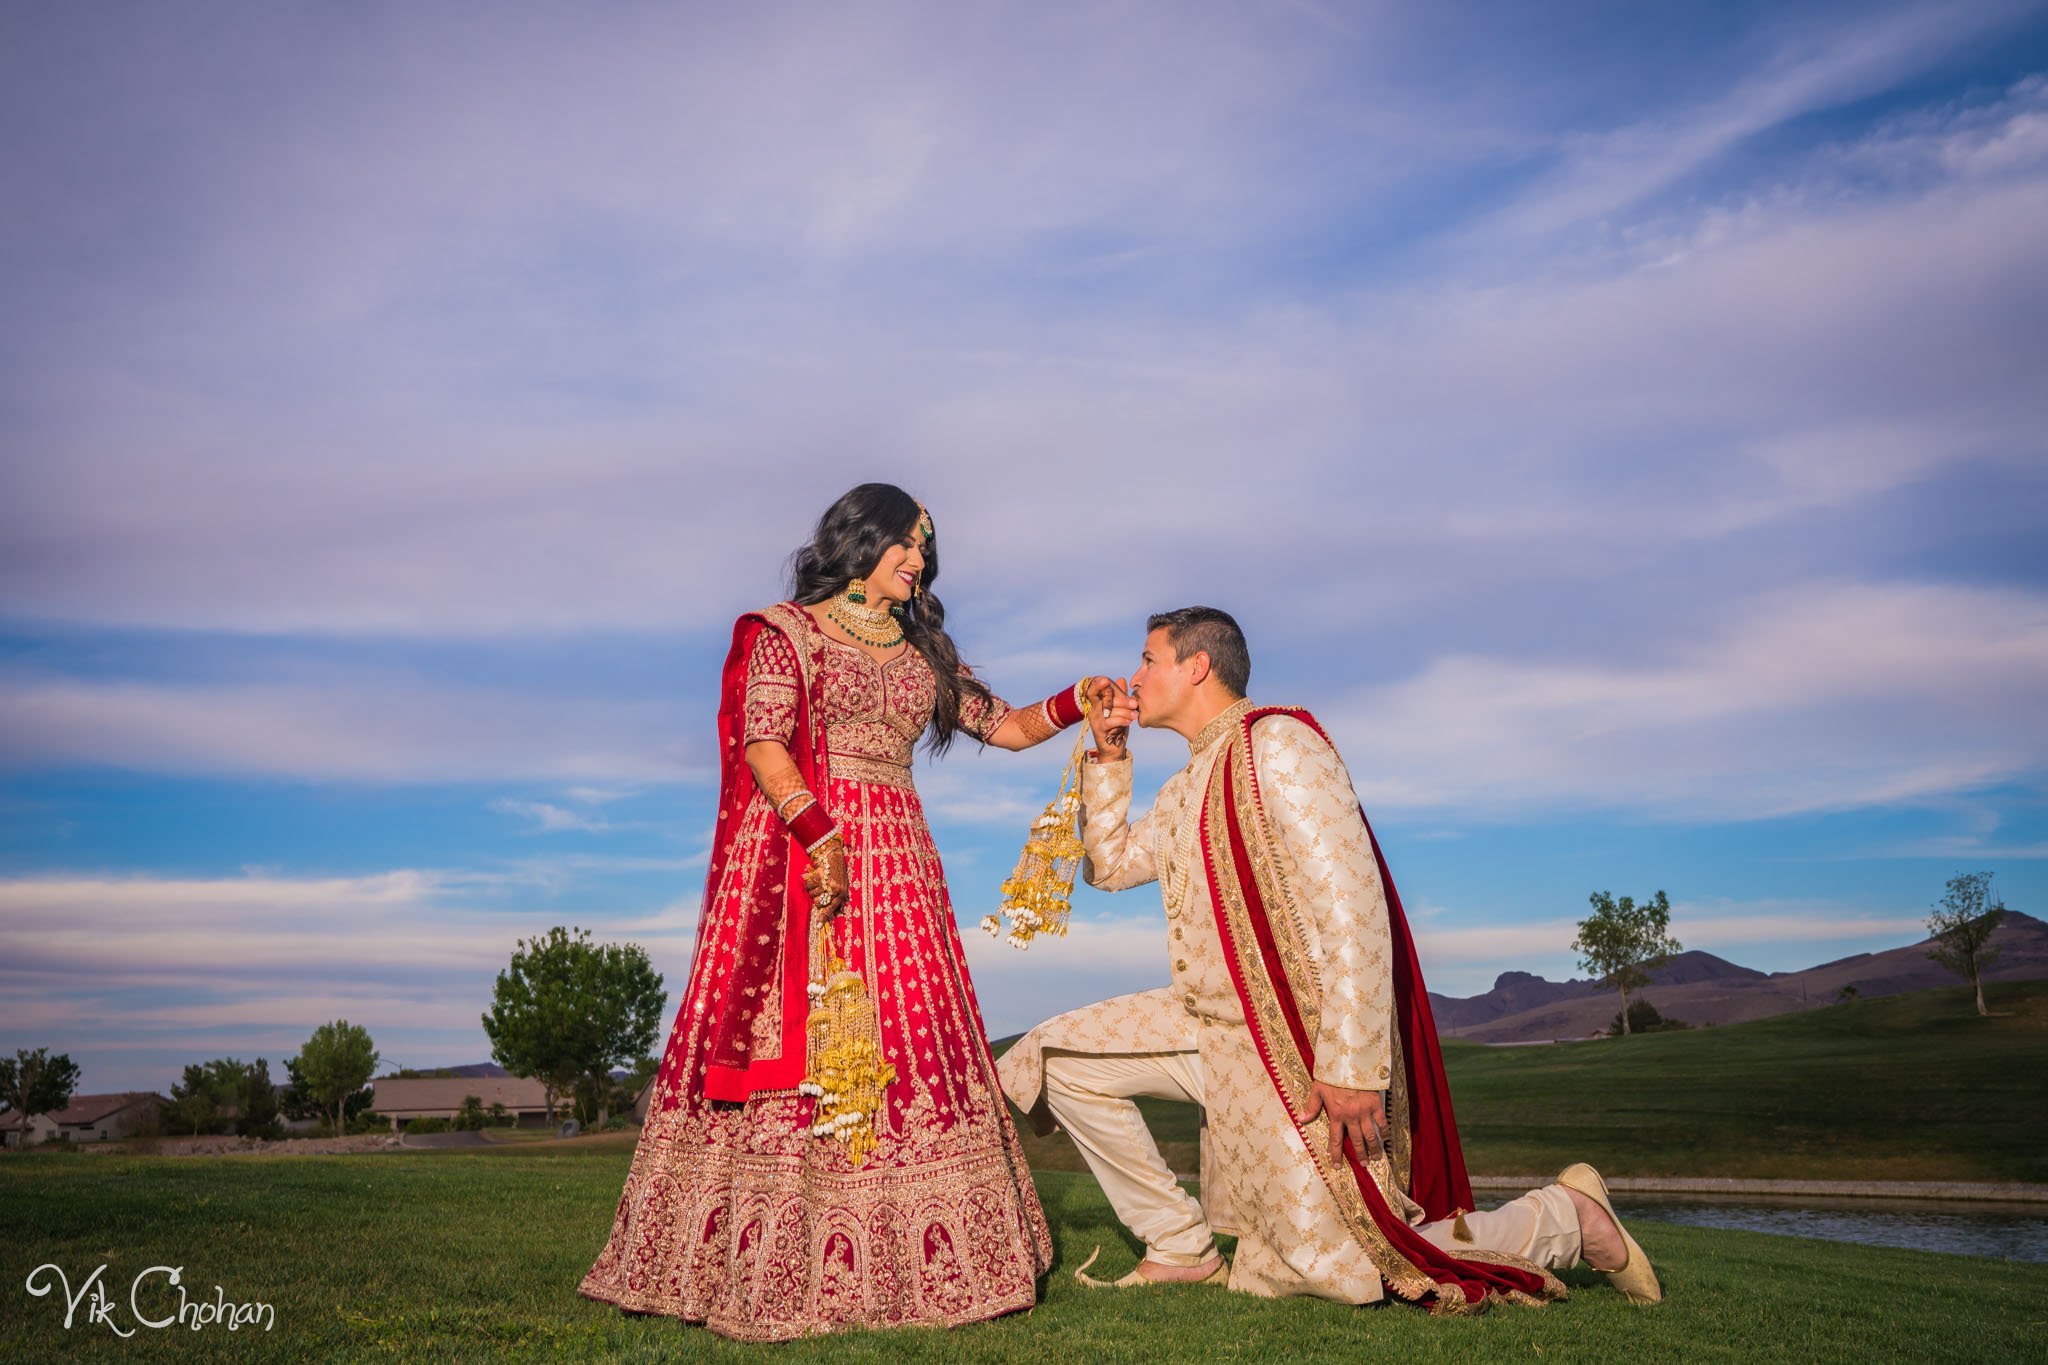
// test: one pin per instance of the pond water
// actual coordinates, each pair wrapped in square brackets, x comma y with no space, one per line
[2013,1232]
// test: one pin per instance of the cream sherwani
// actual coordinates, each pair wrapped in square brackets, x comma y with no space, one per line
[1189,1040]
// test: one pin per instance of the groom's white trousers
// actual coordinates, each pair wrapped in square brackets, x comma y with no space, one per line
[1092,1097]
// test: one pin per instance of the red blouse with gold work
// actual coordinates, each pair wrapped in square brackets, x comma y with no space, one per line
[873,711]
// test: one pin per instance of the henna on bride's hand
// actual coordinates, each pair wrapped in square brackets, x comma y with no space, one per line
[780,784]
[1034,726]
[826,879]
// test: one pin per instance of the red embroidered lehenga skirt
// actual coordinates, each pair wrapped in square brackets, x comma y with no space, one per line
[735,1216]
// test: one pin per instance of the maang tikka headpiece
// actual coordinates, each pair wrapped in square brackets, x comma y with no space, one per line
[924,529]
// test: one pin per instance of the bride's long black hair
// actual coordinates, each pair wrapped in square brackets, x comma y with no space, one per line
[850,537]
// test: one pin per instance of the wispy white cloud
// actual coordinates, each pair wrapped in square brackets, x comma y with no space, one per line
[121,969]
[1829,697]
[1813,67]
[220,928]
[377,729]
[549,818]
[1729,368]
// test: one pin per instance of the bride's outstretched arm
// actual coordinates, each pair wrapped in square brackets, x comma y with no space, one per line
[1026,726]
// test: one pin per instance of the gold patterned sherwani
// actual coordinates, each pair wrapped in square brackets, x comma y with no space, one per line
[1189,1039]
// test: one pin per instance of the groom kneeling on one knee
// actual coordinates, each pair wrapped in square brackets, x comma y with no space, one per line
[1296,1017]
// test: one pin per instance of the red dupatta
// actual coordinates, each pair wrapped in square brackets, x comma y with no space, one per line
[760,972]
[1268,968]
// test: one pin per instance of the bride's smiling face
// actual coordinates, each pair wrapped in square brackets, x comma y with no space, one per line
[895,575]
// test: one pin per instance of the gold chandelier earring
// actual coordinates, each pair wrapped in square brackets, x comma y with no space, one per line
[857,590]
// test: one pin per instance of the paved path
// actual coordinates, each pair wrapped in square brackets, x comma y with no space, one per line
[1835,1189]
[455,1139]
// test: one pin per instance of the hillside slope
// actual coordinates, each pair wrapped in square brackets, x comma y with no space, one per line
[1703,989]
[1912,1087]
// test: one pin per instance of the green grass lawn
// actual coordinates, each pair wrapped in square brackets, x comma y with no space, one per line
[471,1255]
[1908,1087]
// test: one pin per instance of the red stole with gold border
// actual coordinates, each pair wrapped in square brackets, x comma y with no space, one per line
[1268,966]
[757,1037]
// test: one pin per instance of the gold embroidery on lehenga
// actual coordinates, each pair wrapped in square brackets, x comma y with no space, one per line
[876,772]
[733,1214]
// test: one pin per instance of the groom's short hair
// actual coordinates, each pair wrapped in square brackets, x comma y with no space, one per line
[1207,630]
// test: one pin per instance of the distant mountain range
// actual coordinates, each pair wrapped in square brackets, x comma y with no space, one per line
[1703,989]
[1696,987]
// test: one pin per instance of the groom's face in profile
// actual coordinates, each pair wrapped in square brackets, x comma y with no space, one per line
[1164,682]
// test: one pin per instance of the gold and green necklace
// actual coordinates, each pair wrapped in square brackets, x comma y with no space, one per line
[872,626]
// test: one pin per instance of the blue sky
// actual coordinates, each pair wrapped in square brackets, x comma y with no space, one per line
[1622,424]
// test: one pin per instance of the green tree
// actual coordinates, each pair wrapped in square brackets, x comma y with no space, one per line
[296,1100]
[567,1010]
[1622,943]
[259,1103]
[34,1082]
[225,1093]
[335,1064]
[1960,929]
[197,1099]
[626,1001]
[469,1115]
[536,1023]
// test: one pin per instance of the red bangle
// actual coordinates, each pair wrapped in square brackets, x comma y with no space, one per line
[1063,708]
[812,826]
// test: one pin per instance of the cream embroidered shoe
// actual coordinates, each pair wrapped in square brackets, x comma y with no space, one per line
[1635,1279]
[1220,1275]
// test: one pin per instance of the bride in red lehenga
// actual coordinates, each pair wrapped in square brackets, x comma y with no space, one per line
[827,1144]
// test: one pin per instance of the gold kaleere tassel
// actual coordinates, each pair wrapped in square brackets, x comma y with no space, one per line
[1038,895]
[845,1069]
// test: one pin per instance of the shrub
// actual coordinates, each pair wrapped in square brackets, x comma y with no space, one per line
[368,1121]
[1644,1018]
[617,1123]
[469,1116]
[430,1124]
[499,1116]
